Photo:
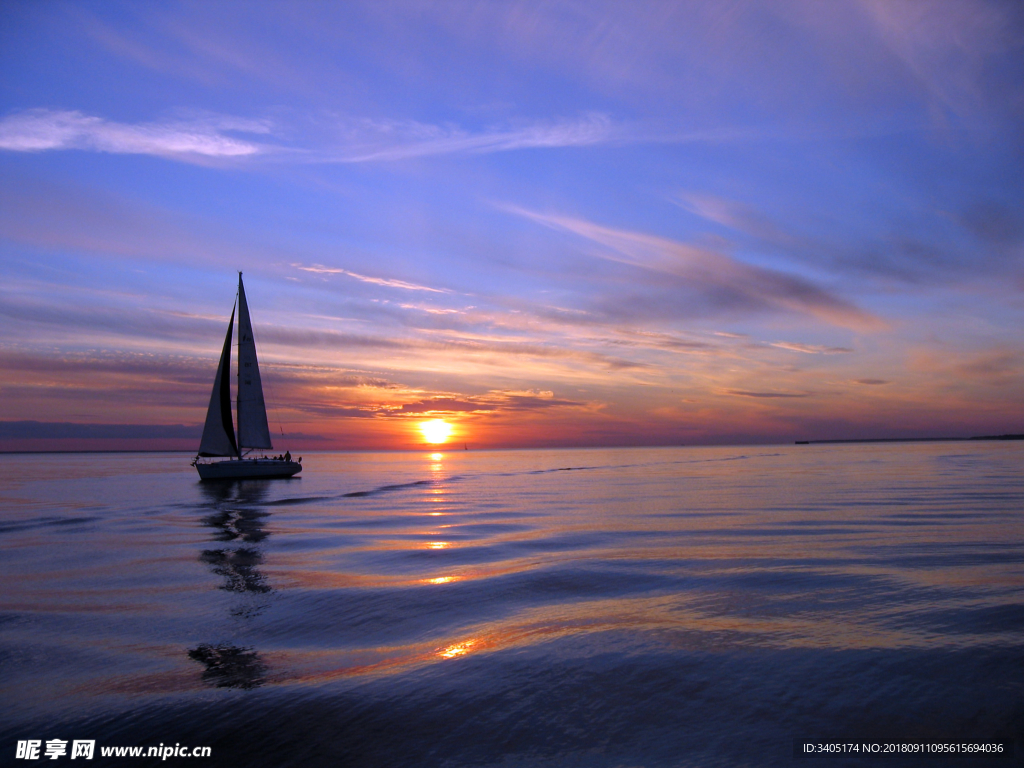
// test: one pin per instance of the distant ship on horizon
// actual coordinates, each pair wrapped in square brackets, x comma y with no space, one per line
[253,432]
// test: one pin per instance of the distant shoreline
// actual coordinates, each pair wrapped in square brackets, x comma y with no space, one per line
[913,439]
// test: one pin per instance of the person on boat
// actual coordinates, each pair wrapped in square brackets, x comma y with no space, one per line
[287,455]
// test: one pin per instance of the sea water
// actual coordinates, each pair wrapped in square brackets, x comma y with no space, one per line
[600,607]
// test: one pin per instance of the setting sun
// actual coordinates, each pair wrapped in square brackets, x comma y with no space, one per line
[436,431]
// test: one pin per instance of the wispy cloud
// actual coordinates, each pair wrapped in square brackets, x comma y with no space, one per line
[810,349]
[319,269]
[767,395]
[712,271]
[732,214]
[366,140]
[454,348]
[496,400]
[663,341]
[348,139]
[432,310]
[945,44]
[357,140]
[37,130]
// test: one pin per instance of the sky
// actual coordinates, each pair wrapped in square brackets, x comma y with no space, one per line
[548,223]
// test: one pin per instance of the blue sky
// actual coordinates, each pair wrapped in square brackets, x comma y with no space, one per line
[547,222]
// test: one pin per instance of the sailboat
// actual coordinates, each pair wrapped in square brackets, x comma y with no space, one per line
[253,433]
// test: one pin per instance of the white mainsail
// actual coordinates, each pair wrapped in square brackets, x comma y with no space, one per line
[219,432]
[253,431]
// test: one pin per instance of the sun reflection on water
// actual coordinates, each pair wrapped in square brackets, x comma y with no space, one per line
[459,649]
[441,580]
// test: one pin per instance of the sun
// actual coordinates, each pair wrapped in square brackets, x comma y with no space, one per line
[436,430]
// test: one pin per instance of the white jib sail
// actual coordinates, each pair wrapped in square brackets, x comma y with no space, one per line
[218,432]
[253,431]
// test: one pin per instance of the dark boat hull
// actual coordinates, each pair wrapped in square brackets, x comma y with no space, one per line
[240,469]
